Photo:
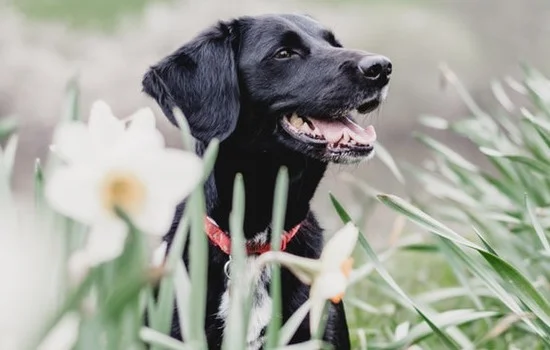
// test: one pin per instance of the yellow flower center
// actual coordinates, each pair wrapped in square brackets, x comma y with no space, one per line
[123,190]
[345,268]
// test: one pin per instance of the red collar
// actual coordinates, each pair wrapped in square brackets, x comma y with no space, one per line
[221,239]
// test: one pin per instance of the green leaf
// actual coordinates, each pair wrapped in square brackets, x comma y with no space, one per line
[536,224]
[386,158]
[198,256]
[8,156]
[390,281]
[447,153]
[239,287]
[501,96]
[434,122]
[38,184]
[124,293]
[209,158]
[160,316]
[451,78]
[422,219]
[70,302]
[71,104]
[278,219]
[8,125]
[443,320]
[185,131]
[484,241]
[461,275]
[153,337]
[293,323]
[521,286]
[182,286]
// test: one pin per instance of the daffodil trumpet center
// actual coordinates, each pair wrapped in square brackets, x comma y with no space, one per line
[123,190]
[345,269]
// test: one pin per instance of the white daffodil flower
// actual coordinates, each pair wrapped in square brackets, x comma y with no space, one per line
[336,264]
[64,335]
[108,165]
[328,276]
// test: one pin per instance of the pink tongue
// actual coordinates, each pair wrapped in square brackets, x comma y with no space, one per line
[335,130]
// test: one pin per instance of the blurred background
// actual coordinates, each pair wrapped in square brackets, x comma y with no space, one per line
[109,44]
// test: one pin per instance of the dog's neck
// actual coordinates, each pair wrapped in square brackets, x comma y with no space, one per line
[259,169]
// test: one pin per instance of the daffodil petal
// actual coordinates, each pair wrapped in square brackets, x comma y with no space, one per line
[330,284]
[105,129]
[317,306]
[72,191]
[155,217]
[136,142]
[324,287]
[340,246]
[64,335]
[106,241]
[304,269]
[72,142]
[170,174]
[143,119]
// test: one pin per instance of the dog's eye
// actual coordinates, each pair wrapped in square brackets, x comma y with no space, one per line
[284,53]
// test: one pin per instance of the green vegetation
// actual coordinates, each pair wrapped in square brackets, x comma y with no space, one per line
[485,283]
[97,14]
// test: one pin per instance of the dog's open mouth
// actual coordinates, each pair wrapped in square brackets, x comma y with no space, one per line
[340,134]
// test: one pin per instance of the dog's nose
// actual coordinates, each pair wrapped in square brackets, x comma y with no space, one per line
[375,67]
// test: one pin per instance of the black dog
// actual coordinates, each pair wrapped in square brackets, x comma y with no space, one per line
[276,90]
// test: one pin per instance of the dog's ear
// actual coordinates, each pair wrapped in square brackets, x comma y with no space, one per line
[201,79]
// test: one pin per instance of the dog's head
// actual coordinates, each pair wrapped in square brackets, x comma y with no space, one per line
[274,81]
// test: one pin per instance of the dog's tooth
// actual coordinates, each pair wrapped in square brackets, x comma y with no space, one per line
[296,121]
[346,137]
[306,127]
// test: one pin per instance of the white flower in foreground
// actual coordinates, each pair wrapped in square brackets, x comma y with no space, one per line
[109,165]
[336,264]
[64,335]
[328,276]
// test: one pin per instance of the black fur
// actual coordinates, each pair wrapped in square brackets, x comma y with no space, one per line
[230,85]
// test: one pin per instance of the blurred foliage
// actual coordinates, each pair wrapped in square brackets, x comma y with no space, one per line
[102,14]
[477,273]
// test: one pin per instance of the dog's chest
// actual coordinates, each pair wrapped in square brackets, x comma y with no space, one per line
[260,312]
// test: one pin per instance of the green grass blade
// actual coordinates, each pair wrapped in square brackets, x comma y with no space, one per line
[389,280]
[209,158]
[38,184]
[530,163]
[422,219]
[161,314]
[386,158]
[278,219]
[9,155]
[536,224]
[237,320]
[71,104]
[447,153]
[443,320]
[484,241]
[291,325]
[434,122]
[528,294]
[185,131]
[182,287]
[8,125]
[198,256]
[462,277]
[153,337]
